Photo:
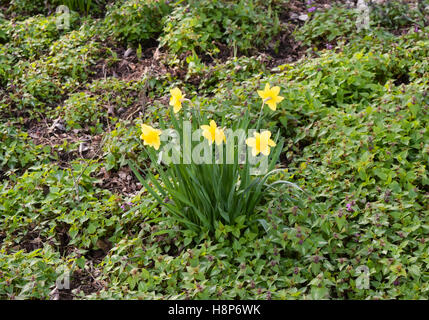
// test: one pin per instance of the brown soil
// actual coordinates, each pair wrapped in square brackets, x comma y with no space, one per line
[81,281]
[53,134]
[129,66]
[122,181]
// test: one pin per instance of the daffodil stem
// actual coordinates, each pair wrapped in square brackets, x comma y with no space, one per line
[260,116]
[192,104]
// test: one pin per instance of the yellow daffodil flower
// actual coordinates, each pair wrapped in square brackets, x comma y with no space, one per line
[176,99]
[150,136]
[261,143]
[213,133]
[270,96]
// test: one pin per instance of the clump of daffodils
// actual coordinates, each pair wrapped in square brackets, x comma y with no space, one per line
[260,143]
[205,194]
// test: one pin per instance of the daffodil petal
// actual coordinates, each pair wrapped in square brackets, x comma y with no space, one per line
[251,142]
[175,92]
[262,94]
[177,107]
[145,129]
[272,104]
[265,151]
[255,152]
[219,136]
[279,99]
[173,101]
[275,90]
[265,135]
[208,136]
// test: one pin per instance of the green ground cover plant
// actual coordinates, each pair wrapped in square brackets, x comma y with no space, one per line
[198,26]
[135,22]
[22,8]
[82,192]
[17,150]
